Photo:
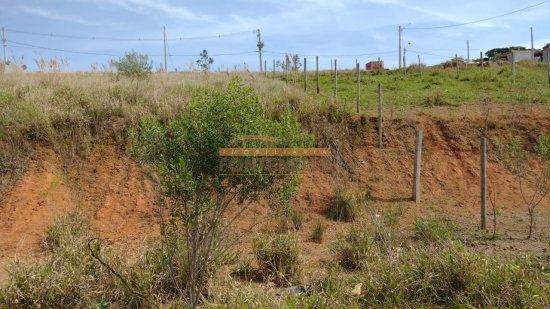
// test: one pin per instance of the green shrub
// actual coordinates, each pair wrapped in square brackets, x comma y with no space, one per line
[135,65]
[344,206]
[278,257]
[435,98]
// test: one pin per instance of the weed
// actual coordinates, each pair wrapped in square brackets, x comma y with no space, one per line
[432,230]
[278,257]
[344,206]
[318,232]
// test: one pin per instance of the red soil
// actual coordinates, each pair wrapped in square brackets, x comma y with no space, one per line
[122,199]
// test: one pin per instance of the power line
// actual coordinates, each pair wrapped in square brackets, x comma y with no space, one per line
[30,46]
[480,20]
[100,38]
[335,55]
[429,54]
[115,54]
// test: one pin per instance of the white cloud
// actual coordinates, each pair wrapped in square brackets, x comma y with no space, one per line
[144,6]
[40,12]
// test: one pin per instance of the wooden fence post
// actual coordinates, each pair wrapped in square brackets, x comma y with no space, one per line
[305,74]
[358,86]
[417,166]
[317,70]
[286,69]
[483,174]
[456,60]
[481,58]
[513,68]
[380,145]
[335,79]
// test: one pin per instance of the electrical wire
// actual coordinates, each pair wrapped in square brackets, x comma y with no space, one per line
[335,55]
[480,20]
[100,38]
[115,54]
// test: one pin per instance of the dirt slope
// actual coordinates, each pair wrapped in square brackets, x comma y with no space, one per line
[122,199]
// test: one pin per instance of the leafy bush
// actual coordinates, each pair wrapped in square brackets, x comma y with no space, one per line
[344,206]
[278,257]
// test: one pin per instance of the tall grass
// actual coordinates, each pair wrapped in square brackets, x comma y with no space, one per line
[70,112]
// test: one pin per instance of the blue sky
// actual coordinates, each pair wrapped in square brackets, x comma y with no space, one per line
[342,29]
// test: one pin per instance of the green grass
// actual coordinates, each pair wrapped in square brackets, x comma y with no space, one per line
[410,273]
[412,88]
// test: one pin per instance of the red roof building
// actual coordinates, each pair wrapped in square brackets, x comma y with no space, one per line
[374,65]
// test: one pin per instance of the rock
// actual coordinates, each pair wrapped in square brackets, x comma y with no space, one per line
[357,290]
[293,290]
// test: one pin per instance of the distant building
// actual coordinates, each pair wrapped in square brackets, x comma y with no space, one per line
[374,66]
[520,55]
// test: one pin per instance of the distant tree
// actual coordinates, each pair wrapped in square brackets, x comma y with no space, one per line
[134,65]
[501,52]
[547,46]
[205,61]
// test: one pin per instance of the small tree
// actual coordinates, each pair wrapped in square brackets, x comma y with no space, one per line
[532,170]
[205,61]
[134,65]
[186,150]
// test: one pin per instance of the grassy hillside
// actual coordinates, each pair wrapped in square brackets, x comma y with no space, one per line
[371,262]
[435,85]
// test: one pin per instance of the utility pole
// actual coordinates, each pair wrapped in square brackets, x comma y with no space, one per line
[405,58]
[4,44]
[273,68]
[400,32]
[419,66]
[468,48]
[260,46]
[165,64]
[287,64]
[532,46]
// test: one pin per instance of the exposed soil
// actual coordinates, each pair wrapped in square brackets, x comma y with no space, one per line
[121,196]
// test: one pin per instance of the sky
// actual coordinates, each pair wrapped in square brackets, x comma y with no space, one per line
[350,31]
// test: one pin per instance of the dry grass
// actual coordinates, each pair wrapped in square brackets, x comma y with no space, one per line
[70,111]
